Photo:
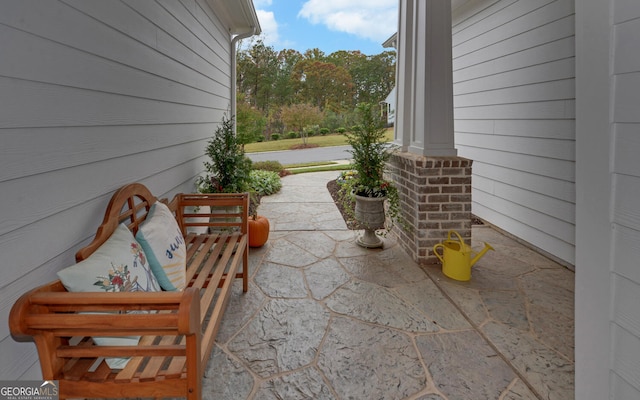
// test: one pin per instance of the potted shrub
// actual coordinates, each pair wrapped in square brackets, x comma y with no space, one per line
[228,169]
[367,185]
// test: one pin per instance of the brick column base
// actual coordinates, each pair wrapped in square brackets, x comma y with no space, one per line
[435,197]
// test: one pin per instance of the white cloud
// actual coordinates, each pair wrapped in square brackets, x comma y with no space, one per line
[262,3]
[371,19]
[269,27]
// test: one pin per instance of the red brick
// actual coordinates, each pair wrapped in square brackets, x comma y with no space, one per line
[452,207]
[429,225]
[443,180]
[429,207]
[460,216]
[430,189]
[435,198]
[453,171]
[462,198]
[452,189]
[461,181]
[452,225]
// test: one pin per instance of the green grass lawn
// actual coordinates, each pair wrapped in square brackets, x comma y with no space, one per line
[318,141]
[287,144]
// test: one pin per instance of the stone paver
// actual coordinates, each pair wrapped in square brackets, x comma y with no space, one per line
[225,378]
[284,335]
[280,281]
[305,384]
[324,277]
[327,319]
[464,366]
[519,391]
[550,374]
[426,297]
[378,305]
[363,361]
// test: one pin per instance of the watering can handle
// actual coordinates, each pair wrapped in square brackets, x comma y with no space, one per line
[457,234]
[436,253]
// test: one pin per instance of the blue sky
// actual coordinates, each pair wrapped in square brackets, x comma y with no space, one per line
[329,25]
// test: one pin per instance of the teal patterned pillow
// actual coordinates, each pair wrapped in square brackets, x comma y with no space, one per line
[162,241]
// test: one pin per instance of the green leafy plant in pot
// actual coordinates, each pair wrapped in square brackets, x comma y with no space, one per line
[228,169]
[367,187]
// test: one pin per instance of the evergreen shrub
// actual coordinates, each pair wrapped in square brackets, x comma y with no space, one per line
[269,165]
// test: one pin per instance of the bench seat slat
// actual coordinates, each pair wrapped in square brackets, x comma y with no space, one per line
[202,273]
[77,368]
[194,250]
[177,366]
[130,370]
[216,316]
[155,363]
[101,373]
[213,271]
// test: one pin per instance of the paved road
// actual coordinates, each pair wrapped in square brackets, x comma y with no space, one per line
[304,155]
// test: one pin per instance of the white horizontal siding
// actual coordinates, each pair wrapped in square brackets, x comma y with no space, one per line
[521,24]
[560,149]
[621,389]
[95,95]
[91,144]
[535,235]
[626,359]
[559,189]
[626,208]
[514,99]
[535,74]
[535,128]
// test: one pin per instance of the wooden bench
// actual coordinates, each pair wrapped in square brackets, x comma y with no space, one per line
[179,329]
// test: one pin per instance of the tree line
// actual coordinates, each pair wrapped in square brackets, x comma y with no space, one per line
[285,93]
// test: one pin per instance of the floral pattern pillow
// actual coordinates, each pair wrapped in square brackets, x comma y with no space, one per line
[119,265]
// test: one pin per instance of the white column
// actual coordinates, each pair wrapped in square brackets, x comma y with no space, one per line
[424,106]
[402,124]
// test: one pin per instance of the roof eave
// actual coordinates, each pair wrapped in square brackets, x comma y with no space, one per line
[391,42]
[238,15]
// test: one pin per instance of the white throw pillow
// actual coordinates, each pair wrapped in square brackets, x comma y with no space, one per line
[162,241]
[119,265]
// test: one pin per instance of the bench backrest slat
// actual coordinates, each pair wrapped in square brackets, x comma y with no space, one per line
[129,204]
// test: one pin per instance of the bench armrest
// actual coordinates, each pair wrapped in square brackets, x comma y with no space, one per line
[212,210]
[92,314]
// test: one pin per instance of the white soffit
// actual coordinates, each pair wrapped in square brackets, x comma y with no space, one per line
[239,15]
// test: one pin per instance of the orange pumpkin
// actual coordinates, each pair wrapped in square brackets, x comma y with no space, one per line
[258,231]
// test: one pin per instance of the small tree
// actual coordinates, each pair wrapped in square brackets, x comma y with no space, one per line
[299,116]
[229,169]
[369,150]
[250,124]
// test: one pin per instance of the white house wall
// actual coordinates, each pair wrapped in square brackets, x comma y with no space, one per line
[625,275]
[514,100]
[93,95]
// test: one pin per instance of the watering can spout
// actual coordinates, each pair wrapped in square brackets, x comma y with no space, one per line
[478,256]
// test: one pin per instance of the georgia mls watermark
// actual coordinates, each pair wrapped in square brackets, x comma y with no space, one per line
[29,390]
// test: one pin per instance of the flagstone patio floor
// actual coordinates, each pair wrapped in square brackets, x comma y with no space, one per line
[327,319]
